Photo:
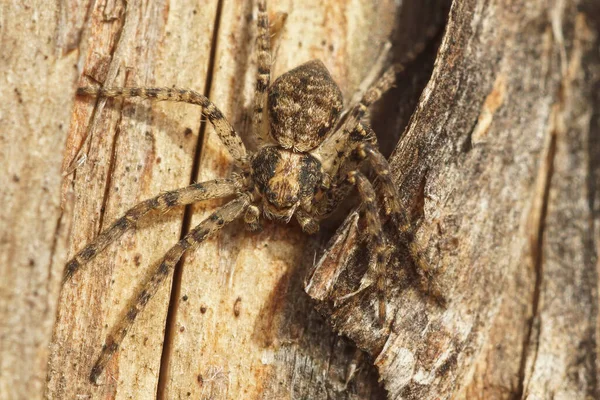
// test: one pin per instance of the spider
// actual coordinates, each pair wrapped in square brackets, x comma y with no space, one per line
[308,160]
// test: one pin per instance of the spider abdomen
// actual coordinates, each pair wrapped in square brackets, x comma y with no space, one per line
[304,105]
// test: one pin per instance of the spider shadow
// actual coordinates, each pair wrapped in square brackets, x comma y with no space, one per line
[290,325]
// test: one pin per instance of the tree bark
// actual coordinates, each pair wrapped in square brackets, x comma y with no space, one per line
[498,167]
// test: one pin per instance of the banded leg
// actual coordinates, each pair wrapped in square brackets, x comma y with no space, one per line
[337,143]
[308,222]
[391,198]
[385,82]
[227,134]
[375,237]
[263,75]
[343,162]
[164,201]
[206,228]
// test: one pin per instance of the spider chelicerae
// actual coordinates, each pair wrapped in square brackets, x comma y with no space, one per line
[308,160]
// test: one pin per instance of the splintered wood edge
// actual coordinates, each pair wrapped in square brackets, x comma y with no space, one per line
[490,193]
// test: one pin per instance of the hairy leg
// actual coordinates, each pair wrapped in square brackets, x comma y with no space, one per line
[336,147]
[375,237]
[164,201]
[227,134]
[206,228]
[263,74]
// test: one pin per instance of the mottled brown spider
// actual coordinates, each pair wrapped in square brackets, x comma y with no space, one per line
[307,162]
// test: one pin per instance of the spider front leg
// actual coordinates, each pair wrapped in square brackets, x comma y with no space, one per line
[229,137]
[390,195]
[224,215]
[263,73]
[191,194]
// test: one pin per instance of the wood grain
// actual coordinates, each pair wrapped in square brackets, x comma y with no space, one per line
[498,167]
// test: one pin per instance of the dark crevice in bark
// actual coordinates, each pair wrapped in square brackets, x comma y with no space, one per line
[592,10]
[534,323]
[109,174]
[187,220]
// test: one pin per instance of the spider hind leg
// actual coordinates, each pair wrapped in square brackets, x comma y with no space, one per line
[222,216]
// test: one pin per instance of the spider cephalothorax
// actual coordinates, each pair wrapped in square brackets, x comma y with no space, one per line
[285,180]
[307,162]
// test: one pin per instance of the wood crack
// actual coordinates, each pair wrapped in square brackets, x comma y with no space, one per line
[170,323]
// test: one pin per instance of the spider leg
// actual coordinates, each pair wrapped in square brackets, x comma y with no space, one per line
[263,73]
[191,194]
[385,82]
[227,134]
[392,207]
[336,146]
[206,228]
[375,237]
[309,223]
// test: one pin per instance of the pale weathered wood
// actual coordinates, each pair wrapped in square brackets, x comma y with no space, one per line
[134,151]
[500,163]
[37,76]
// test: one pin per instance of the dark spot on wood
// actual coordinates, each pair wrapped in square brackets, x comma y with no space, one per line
[135,92]
[16,178]
[237,307]
[31,262]
[181,329]
[185,297]
[152,93]
[187,132]
[203,309]
[200,380]
[136,259]
[158,160]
